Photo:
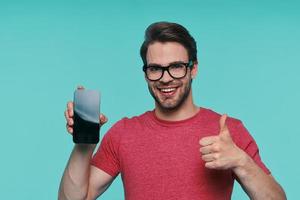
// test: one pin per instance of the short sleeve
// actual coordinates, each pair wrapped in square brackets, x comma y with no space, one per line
[245,141]
[107,156]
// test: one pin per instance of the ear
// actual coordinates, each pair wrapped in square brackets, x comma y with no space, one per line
[145,77]
[194,70]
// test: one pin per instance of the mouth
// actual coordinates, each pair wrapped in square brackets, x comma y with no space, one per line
[168,91]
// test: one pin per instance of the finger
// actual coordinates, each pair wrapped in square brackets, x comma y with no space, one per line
[103,119]
[69,129]
[209,157]
[66,114]
[206,150]
[70,107]
[70,122]
[80,87]
[211,165]
[222,123]
[208,140]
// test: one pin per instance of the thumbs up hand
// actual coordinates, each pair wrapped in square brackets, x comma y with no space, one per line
[220,152]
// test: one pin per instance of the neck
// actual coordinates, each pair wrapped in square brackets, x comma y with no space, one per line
[186,110]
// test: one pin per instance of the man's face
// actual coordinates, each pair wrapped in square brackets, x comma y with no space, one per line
[169,93]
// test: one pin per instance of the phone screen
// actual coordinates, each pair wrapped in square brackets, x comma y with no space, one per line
[86,116]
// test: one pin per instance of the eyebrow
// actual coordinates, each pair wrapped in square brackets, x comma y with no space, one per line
[171,63]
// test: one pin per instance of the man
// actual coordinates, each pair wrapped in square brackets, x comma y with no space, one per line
[178,150]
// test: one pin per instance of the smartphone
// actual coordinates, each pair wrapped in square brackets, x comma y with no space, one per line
[86,116]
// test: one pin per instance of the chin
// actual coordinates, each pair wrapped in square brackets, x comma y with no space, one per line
[173,103]
[169,106]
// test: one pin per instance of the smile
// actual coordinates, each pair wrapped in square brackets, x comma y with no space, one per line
[168,91]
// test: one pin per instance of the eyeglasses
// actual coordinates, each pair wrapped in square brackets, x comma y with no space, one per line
[176,70]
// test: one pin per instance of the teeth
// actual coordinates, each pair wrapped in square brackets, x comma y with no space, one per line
[167,89]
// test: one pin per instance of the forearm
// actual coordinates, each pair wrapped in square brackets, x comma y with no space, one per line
[256,183]
[74,183]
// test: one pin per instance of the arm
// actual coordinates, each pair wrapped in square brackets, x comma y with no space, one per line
[81,180]
[220,152]
[255,182]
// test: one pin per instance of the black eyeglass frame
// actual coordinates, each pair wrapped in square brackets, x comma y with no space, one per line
[190,65]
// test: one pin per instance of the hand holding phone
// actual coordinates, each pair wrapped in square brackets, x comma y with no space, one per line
[86,116]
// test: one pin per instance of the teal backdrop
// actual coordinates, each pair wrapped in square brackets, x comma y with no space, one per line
[249,69]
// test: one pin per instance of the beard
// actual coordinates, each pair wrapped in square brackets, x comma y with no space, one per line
[170,104]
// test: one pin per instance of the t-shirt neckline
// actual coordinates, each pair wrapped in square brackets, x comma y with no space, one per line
[167,123]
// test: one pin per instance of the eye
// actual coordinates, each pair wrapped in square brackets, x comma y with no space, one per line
[177,66]
[153,68]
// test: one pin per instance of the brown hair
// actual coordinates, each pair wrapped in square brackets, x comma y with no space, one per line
[169,32]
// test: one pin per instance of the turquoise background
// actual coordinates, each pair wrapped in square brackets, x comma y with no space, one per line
[249,68]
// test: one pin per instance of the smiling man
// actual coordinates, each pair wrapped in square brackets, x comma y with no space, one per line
[167,75]
[176,151]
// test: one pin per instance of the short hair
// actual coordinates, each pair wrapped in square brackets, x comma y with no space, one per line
[168,32]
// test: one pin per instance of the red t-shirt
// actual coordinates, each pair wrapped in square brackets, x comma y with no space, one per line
[160,159]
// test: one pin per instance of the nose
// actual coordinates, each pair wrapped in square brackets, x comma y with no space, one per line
[166,77]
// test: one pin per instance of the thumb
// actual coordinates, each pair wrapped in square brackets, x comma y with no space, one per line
[222,122]
[102,119]
[80,87]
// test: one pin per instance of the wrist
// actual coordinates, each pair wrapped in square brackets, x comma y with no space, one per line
[242,164]
[85,147]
